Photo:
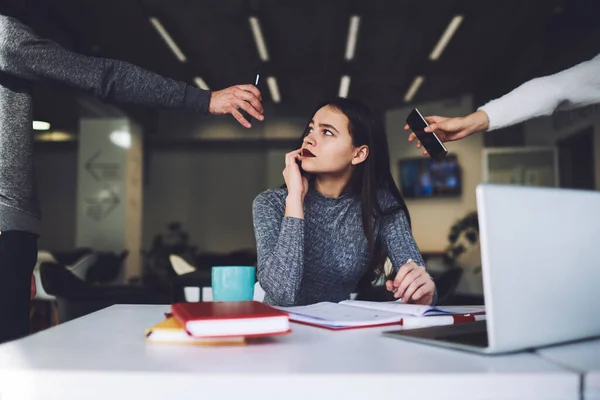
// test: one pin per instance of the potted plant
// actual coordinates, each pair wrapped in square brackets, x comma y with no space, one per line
[463,252]
[463,236]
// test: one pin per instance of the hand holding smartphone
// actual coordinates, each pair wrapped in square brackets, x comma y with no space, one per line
[247,116]
[430,141]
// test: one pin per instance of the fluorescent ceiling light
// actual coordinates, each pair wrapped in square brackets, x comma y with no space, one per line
[272,83]
[259,39]
[344,86]
[168,39]
[41,125]
[200,83]
[445,38]
[352,37]
[417,82]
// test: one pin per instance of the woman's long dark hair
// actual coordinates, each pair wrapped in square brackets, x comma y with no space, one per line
[373,175]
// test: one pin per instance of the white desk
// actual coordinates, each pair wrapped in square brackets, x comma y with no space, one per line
[583,357]
[104,356]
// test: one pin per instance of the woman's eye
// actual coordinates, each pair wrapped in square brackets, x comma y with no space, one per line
[328,132]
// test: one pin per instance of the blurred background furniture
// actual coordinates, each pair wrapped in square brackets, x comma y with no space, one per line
[78,293]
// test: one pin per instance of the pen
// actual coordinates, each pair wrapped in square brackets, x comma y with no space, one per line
[440,320]
[395,289]
[256,80]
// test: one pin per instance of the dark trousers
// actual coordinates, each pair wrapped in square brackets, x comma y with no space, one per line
[18,255]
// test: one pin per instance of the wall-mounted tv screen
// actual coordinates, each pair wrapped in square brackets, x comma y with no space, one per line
[424,178]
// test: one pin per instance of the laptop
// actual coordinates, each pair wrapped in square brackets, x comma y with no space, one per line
[540,254]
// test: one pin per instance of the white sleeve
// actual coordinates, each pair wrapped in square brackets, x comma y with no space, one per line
[572,88]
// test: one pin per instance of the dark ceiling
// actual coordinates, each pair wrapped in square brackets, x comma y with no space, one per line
[499,45]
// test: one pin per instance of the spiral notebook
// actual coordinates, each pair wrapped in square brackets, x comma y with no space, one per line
[359,314]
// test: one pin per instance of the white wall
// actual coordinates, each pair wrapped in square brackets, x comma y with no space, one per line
[94,227]
[109,193]
[547,130]
[432,218]
[210,192]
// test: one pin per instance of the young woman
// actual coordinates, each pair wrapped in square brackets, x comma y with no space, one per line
[338,217]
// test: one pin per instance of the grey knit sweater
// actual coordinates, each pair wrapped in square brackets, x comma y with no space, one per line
[25,58]
[323,256]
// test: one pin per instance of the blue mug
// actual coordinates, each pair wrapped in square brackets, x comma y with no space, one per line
[233,283]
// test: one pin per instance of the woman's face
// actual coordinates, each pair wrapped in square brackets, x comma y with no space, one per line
[327,147]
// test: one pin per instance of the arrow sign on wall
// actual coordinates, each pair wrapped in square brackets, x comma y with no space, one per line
[102,170]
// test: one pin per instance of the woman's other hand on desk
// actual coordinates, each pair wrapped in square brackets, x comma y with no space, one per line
[297,185]
[413,284]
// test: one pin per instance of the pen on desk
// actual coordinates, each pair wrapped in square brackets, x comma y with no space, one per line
[440,320]
[395,289]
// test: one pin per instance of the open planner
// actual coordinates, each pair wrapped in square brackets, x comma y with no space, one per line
[356,314]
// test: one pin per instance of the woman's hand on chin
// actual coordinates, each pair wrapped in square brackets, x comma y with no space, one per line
[297,185]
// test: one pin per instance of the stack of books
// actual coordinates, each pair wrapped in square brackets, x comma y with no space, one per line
[219,323]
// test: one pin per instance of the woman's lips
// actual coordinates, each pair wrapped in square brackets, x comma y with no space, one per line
[307,153]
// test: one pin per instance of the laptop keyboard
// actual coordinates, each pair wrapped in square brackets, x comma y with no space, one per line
[471,334]
[478,339]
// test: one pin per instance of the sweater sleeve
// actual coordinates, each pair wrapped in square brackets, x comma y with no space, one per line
[25,55]
[280,249]
[572,88]
[397,238]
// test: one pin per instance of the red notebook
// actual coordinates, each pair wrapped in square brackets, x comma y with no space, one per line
[235,318]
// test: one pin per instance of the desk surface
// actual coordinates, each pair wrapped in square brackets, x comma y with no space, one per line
[104,355]
[583,357]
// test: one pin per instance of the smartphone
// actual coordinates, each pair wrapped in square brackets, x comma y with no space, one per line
[256,81]
[430,141]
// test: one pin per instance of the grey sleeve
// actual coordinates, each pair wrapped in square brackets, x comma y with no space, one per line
[280,250]
[25,55]
[399,242]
